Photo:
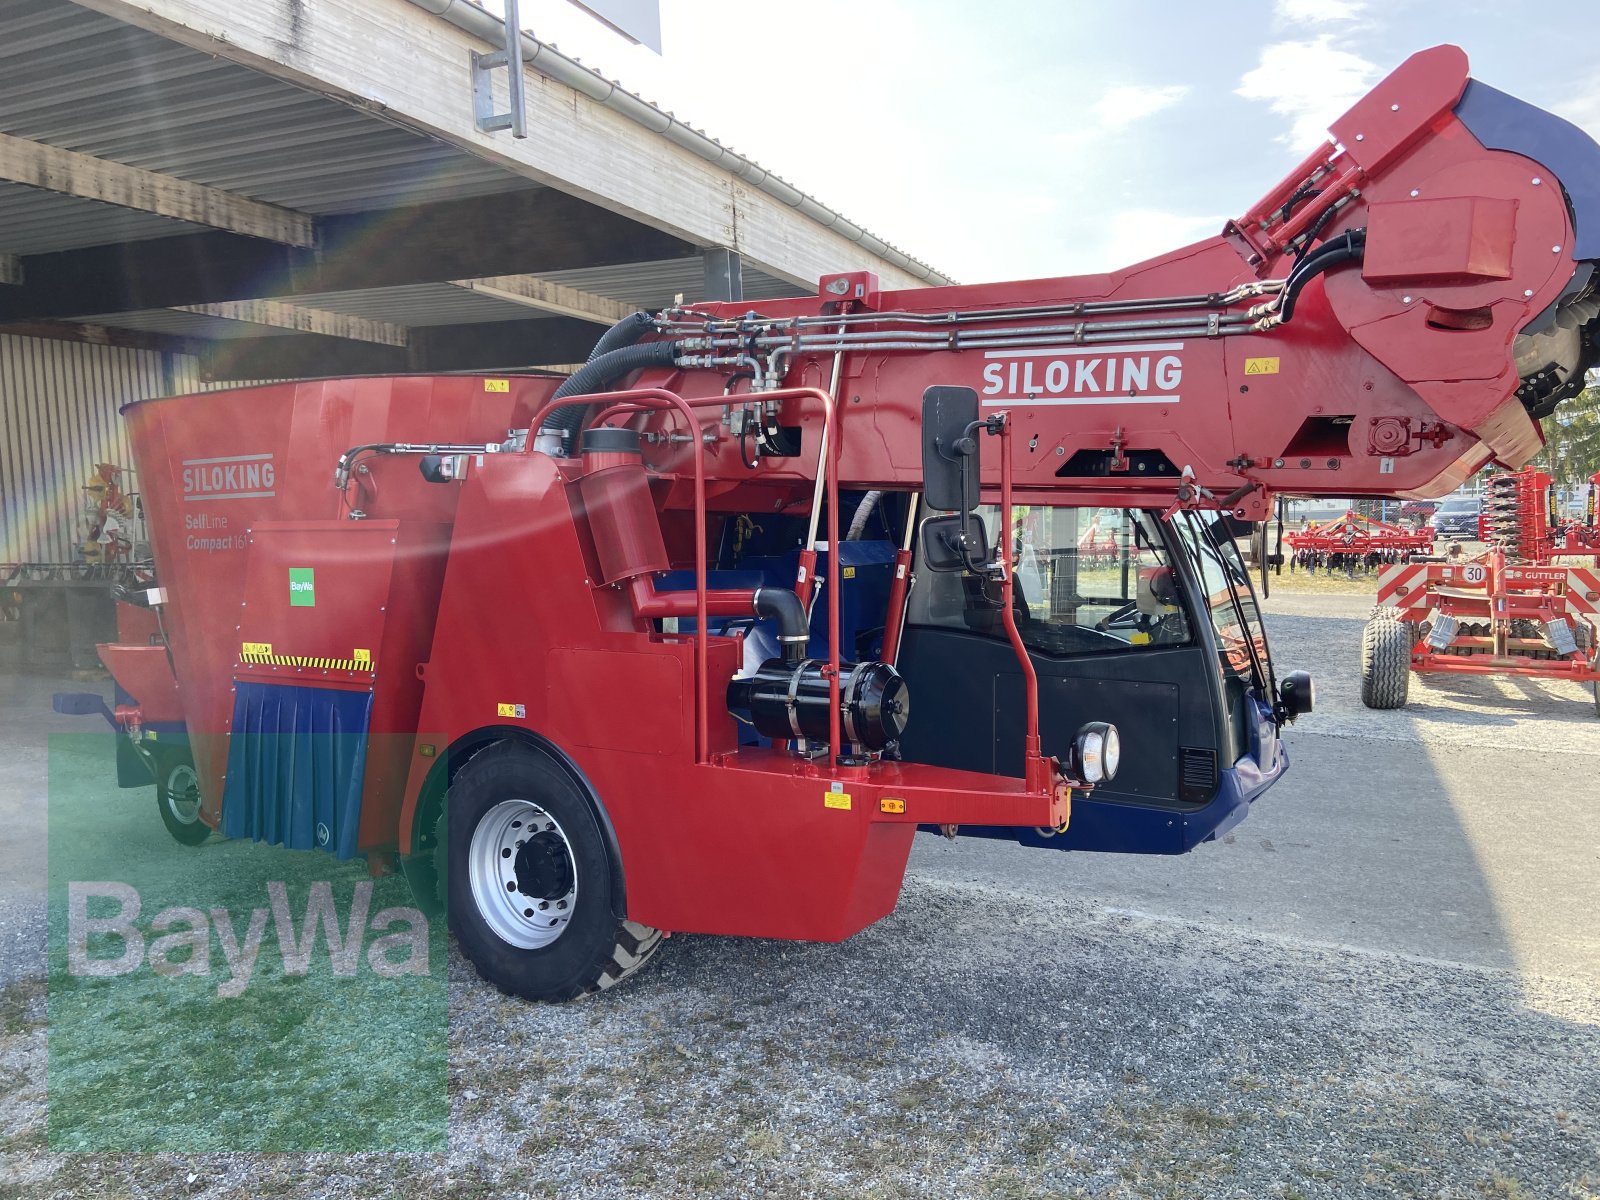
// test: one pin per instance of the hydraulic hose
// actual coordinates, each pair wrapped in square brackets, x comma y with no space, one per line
[598,374]
[624,333]
[864,510]
[1348,247]
[784,607]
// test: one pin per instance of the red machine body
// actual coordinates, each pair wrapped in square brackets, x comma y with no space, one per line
[485,607]
[1387,319]
[1399,374]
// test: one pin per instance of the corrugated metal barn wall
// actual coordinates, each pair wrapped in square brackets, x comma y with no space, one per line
[58,418]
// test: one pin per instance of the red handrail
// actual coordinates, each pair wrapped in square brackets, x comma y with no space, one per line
[618,403]
[660,398]
[1033,759]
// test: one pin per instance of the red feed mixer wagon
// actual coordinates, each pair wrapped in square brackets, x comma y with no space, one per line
[637,653]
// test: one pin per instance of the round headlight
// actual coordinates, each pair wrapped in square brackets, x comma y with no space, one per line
[1090,752]
[1096,751]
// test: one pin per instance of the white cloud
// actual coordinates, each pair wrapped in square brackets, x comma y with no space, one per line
[1318,12]
[1312,83]
[1126,103]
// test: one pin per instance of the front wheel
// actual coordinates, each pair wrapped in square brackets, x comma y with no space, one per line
[178,797]
[528,879]
[1386,661]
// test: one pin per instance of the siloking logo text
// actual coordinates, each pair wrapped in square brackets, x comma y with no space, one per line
[238,477]
[185,935]
[1050,375]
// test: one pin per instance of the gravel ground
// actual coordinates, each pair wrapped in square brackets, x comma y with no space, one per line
[1030,1026]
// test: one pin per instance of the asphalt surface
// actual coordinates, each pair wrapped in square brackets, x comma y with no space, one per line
[1383,983]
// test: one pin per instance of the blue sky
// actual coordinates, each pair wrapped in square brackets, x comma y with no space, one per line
[1015,140]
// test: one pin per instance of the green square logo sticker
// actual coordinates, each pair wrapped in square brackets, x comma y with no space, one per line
[302,587]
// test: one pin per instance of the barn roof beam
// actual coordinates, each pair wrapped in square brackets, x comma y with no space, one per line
[490,346]
[550,297]
[40,165]
[416,70]
[536,231]
[278,315]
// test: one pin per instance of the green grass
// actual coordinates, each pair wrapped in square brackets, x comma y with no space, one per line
[147,1062]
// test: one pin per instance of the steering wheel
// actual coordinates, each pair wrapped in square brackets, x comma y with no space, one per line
[1120,617]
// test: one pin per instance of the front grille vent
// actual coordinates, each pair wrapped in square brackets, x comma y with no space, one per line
[1197,773]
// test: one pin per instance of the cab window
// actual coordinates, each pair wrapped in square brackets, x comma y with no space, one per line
[1085,581]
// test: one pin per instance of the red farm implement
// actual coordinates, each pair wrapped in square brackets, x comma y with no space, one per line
[1521,515]
[1484,616]
[1356,541]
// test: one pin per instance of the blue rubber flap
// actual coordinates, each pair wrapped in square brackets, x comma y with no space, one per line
[296,762]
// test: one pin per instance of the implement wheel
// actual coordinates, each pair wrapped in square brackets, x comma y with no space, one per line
[528,877]
[1385,661]
[178,797]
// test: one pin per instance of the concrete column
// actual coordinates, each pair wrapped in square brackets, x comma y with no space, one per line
[724,275]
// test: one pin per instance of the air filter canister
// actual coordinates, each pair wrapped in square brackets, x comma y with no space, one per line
[615,491]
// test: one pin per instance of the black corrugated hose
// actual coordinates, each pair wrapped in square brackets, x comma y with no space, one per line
[613,356]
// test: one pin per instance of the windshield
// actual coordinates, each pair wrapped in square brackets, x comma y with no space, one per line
[1231,601]
[1085,581]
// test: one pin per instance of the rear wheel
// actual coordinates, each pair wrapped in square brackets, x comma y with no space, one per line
[1385,661]
[178,797]
[529,880]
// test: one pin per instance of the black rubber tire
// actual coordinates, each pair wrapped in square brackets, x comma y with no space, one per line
[422,874]
[441,860]
[175,777]
[596,950]
[1385,661]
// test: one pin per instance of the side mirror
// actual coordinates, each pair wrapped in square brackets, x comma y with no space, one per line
[958,542]
[1296,696]
[950,449]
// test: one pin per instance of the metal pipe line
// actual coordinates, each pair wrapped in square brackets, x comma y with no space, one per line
[732,325]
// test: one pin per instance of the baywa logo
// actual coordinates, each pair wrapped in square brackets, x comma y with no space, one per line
[187,936]
[302,587]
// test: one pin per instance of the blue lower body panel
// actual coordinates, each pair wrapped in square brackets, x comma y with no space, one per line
[1117,827]
[296,764]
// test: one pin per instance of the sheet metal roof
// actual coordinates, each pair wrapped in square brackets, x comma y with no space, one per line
[654,284]
[37,222]
[422,304]
[73,78]
[84,82]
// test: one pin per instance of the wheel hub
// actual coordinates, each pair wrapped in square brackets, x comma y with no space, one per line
[183,794]
[524,881]
[543,866]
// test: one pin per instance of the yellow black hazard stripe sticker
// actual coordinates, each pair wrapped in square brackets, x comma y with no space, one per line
[261,654]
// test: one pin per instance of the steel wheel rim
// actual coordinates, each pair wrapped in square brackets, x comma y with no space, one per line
[497,869]
[183,794]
